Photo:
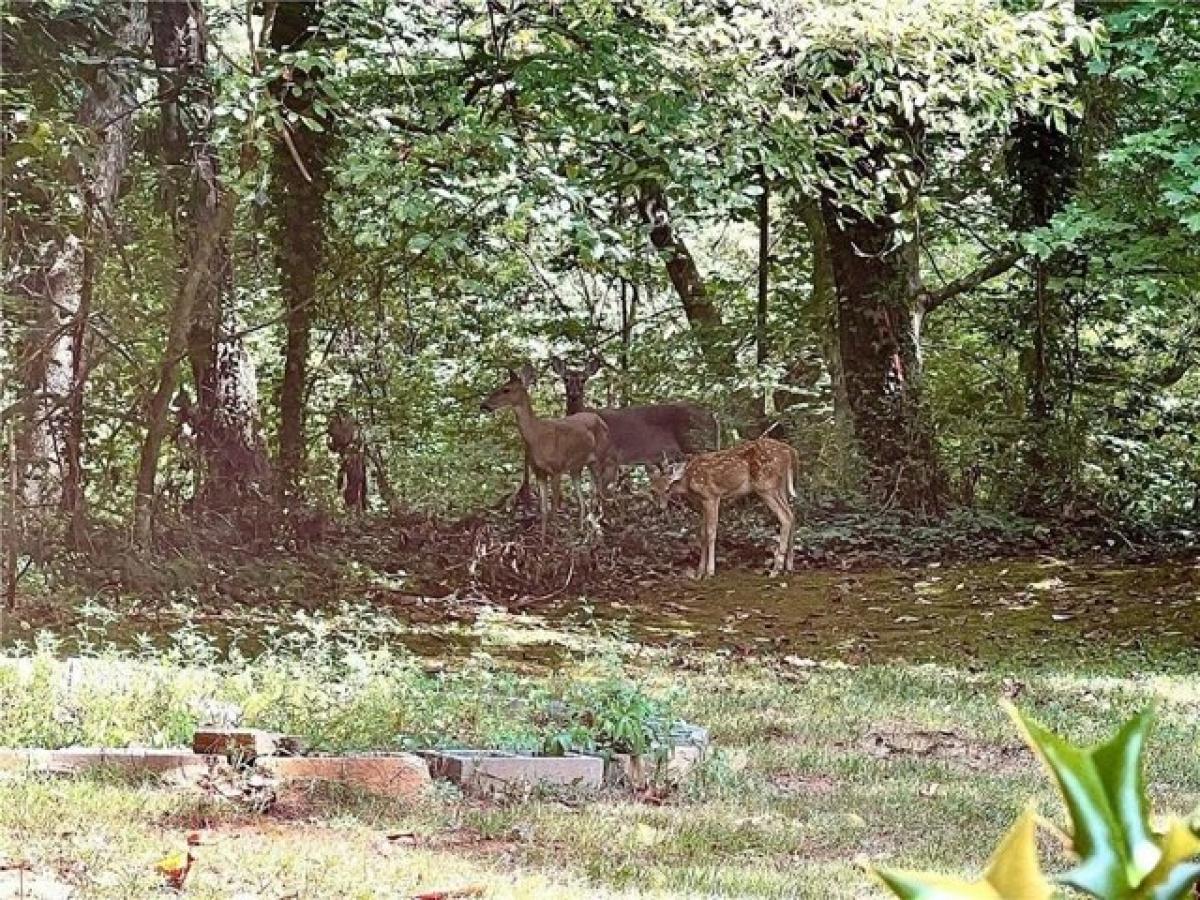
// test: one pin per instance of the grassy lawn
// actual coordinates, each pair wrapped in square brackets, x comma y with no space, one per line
[821,768]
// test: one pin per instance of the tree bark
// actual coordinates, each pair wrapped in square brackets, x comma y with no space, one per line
[702,314]
[199,271]
[54,366]
[824,311]
[764,275]
[233,460]
[879,293]
[299,185]
[1046,163]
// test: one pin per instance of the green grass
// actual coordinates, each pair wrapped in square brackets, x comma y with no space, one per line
[799,797]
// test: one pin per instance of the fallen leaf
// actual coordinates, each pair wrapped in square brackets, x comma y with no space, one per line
[800,662]
[646,835]
[174,868]
[472,890]
[1048,584]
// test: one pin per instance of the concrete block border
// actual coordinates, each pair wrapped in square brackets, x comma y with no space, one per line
[399,776]
[393,775]
[491,770]
[72,760]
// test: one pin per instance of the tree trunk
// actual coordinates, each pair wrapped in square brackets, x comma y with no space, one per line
[702,314]
[879,314]
[233,460]
[73,497]
[764,272]
[762,295]
[299,184]
[198,273]
[1046,164]
[823,313]
[54,356]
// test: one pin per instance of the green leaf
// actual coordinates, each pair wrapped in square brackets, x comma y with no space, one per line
[1173,877]
[1012,874]
[1120,857]
[1105,797]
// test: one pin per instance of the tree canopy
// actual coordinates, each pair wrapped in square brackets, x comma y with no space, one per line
[947,248]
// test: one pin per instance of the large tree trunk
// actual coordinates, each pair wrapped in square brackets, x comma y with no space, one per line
[822,313]
[225,418]
[54,366]
[299,184]
[879,297]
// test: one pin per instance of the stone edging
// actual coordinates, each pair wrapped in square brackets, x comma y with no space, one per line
[394,775]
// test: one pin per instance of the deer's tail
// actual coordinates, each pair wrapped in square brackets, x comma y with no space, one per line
[793,472]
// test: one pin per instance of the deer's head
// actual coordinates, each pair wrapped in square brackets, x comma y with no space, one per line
[514,391]
[575,381]
[667,482]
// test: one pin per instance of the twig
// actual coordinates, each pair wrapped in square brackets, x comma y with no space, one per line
[286,132]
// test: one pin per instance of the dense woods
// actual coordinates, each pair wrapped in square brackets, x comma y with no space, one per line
[312,311]
[254,253]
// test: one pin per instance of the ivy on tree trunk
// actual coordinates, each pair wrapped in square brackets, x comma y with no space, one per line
[299,183]
[49,440]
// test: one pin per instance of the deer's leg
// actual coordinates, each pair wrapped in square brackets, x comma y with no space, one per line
[581,498]
[702,564]
[783,512]
[544,502]
[598,485]
[790,562]
[556,491]
[712,514]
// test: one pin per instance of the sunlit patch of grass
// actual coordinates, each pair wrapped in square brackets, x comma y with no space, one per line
[795,800]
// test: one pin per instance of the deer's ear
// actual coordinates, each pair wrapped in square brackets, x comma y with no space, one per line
[594,365]
[527,375]
[559,367]
[512,374]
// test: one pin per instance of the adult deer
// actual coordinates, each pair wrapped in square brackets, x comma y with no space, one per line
[765,467]
[641,435]
[553,447]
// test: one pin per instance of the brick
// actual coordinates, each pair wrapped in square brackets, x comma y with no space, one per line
[482,769]
[126,759]
[400,776]
[243,743]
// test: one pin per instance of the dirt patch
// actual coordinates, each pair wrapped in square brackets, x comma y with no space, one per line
[893,741]
[804,785]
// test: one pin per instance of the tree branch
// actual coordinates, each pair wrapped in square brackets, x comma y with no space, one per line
[931,300]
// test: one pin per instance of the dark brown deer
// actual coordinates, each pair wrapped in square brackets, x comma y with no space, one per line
[554,447]
[641,435]
[765,467]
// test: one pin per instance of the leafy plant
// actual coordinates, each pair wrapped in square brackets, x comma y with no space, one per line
[1120,856]
[612,716]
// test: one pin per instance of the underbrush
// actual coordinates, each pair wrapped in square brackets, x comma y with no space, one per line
[309,558]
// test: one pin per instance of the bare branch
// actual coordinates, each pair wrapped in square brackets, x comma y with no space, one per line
[998,265]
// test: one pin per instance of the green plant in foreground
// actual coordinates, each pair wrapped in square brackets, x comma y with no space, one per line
[1120,856]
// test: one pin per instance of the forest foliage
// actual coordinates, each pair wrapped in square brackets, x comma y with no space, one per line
[949,246]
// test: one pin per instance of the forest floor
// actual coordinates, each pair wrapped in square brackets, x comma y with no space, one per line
[854,705]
